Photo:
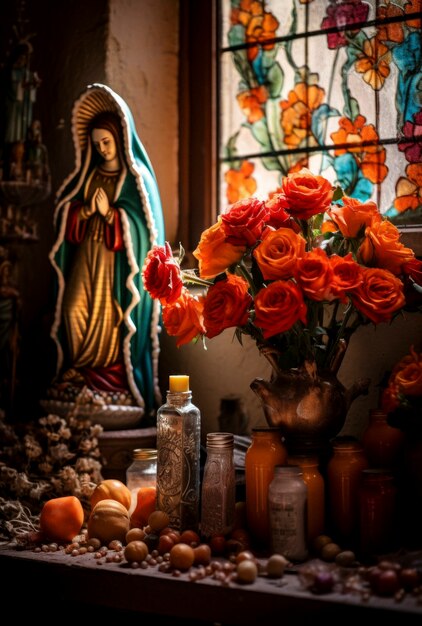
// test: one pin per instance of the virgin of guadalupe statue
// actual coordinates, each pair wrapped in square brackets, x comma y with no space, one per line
[108,216]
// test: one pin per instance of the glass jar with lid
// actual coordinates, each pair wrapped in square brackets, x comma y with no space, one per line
[142,472]
[287,500]
[218,486]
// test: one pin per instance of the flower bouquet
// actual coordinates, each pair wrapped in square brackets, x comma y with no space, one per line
[297,272]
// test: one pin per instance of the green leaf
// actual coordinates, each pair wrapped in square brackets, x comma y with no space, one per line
[338,194]
[275,78]
[260,131]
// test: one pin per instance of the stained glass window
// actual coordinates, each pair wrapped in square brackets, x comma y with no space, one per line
[335,86]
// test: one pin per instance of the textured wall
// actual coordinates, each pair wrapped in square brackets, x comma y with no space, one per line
[142,66]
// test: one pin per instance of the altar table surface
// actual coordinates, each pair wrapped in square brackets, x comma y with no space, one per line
[57,587]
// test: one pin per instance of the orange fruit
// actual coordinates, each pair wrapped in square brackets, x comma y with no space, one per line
[62,518]
[145,505]
[109,520]
[111,489]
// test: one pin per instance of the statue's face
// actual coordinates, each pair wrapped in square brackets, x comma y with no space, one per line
[104,143]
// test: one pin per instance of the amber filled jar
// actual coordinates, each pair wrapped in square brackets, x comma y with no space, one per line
[265,452]
[315,516]
[344,475]
[383,444]
[377,512]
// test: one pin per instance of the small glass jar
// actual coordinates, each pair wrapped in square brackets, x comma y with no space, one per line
[377,509]
[315,515]
[218,486]
[265,452]
[287,498]
[344,475]
[383,444]
[142,472]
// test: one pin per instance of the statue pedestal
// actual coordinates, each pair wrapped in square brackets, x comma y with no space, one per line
[117,445]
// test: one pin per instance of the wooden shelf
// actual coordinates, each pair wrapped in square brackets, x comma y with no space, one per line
[53,584]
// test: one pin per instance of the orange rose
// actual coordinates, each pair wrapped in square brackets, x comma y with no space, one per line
[226,304]
[244,222]
[161,274]
[314,275]
[353,216]
[407,374]
[278,252]
[213,252]
[409,380]
[347,275]
[379,295]
[382,248]
[278,307]
[306,194]
[184,319]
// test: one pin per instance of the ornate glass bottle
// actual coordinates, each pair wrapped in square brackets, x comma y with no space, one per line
[178,463]
[218,486]
[265,452]
[287,497]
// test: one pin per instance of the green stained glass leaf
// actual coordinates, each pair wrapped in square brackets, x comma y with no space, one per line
[260,131]
[274,127]
[271,163]
[275,78]
[236,35]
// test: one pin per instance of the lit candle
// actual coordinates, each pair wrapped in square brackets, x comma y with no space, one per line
[178,383]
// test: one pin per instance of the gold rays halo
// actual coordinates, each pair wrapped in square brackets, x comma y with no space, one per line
[96,99]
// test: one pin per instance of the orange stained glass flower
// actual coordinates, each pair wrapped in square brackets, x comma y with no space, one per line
[413,6]
[297,110]
[355,132]
[259,25]
[390,31]
[373,166]
[240,183]
[251,103]
[409,190]
[374,63]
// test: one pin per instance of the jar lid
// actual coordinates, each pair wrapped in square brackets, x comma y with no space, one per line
[144,454]
[220,440]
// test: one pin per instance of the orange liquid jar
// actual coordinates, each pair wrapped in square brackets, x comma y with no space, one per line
[378,494]
[265,452]
[344,475]
[383,444]
[315,516]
